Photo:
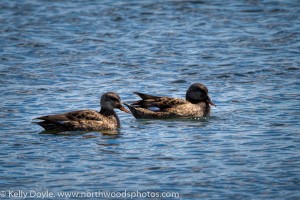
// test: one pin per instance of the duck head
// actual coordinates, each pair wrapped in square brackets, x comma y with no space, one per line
[197,93]
[110,101]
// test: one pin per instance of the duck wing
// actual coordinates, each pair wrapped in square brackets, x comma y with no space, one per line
[149,101]
[82,120]
[73,116]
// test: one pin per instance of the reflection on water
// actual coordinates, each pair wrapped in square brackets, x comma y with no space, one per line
[111,133]
[58,57]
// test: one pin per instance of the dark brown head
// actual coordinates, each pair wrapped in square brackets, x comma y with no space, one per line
[197,93]
[110,101]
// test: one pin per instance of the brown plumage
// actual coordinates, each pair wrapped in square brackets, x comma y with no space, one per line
[87,120]
[196,104]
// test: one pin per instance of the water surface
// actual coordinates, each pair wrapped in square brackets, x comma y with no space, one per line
[60,56]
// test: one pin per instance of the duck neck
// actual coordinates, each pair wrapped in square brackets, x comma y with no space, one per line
[201,103]
[110,114]
[195,101]
[107,112]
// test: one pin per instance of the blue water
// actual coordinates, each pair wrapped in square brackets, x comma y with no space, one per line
[58,56]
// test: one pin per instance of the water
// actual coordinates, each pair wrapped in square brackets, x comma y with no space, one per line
[59,56]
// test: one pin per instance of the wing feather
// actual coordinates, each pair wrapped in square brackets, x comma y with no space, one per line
[73,116]
[156,101]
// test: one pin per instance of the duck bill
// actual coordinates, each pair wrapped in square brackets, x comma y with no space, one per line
[124,109]
[210,102]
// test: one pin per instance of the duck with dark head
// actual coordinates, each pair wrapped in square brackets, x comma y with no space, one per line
[196,104]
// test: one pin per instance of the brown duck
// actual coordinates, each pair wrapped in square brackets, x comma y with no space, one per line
[87,120]
[196,104]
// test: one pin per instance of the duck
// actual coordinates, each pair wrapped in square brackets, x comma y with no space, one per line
[196,104]
[87,120]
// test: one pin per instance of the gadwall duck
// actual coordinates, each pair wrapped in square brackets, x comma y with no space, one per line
[197,104]
[87,120]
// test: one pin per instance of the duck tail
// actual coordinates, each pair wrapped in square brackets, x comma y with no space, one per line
[146,96]
[138,112]
[49,125]
[134,111]
[130,107]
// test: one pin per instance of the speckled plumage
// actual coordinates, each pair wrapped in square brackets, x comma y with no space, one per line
[87,120]
[197,104]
